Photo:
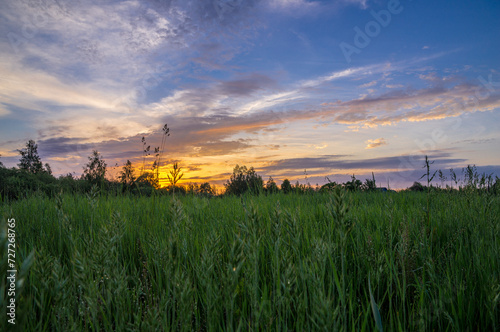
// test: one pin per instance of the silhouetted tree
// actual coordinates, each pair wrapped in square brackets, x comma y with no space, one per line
[48,169]
[30,160]
[148,178]
[242,180]
[95,170]
[271,186]
[206,189]
[286,187]
[299,188]
[416,186]
[127,176]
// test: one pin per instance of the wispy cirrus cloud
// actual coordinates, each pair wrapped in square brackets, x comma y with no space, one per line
[296,7]
[88,67]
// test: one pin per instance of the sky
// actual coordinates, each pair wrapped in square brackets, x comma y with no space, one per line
[299,89]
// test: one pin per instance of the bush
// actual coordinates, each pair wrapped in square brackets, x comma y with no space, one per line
[329,187]
[416,186]
[16,183]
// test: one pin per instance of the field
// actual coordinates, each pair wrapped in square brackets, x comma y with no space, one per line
[342,261]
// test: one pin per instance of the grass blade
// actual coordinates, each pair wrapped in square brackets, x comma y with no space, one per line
[376,313]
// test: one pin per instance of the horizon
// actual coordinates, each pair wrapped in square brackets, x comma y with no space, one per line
[330,88]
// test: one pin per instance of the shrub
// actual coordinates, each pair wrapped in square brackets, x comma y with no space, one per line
[417,186]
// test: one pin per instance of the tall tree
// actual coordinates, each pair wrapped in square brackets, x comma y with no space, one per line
[30,160]
[95,170]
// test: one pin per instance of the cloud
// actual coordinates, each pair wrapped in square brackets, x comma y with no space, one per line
[219,148]
[207,122]
[414,105]
[246,85]
[3,111]
[361,3]
[302,90]
[26,88]
[396,105]
[305,7]
[367,85]
[476,141]
[88,68]
[375,143]
[346,73]
[293,6]
[340,164]
[118,43]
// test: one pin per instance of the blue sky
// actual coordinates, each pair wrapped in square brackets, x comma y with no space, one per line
[331,87]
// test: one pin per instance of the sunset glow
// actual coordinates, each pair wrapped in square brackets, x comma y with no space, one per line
[298,89]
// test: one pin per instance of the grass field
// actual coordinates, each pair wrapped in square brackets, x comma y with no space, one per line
[278,262]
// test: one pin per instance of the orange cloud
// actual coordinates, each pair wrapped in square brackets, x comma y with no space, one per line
[375,143]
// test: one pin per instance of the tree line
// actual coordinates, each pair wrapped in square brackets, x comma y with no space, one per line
[33,176]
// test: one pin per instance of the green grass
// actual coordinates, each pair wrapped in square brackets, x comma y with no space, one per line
[279,262]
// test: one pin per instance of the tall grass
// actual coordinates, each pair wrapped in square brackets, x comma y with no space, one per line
[277,262]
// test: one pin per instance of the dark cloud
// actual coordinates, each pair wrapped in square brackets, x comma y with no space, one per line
[323,162]
[63,146]
[475,141]
[246,85]
[219,148]
[336,162]
[216,178]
